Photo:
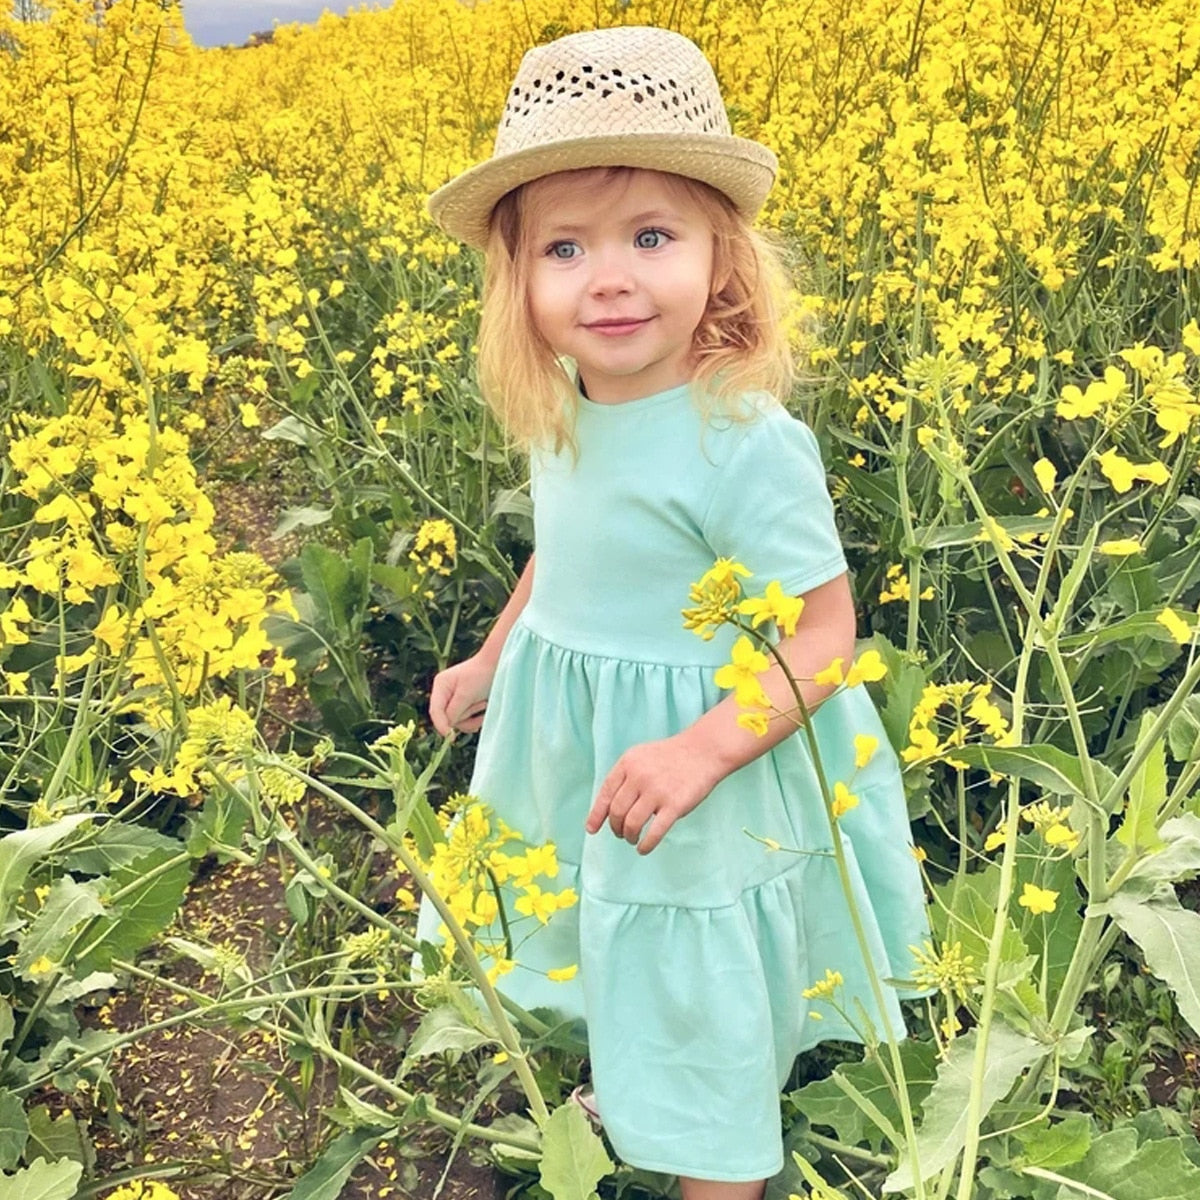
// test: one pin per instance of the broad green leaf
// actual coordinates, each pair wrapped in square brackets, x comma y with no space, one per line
[1060,618]
[1053,770]
[1055,1146]
[358,1114]
[14,1130]
[325,1179]
[1147,794]
[573,1157]
[67,904]
[113,845]
[144,912]
[1179,857]
[294,430]
[1117,1168]
[42,1180]
[443,1029]
[1183,733]
[1169,936]
[58,1137]
[1139,625]
[939,537]
[824,1103]
[943,1131]
[21,850]
[304,516]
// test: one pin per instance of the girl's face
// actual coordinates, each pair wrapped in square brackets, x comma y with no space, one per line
[619,274]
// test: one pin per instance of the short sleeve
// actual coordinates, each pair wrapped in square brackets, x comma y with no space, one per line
[771,510]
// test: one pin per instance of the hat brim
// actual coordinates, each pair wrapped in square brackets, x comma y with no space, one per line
[742,169]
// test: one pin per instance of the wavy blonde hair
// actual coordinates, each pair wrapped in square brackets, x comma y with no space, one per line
[740,345]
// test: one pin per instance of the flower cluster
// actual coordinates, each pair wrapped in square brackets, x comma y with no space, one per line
[434,548]
[948,715]
[481,879]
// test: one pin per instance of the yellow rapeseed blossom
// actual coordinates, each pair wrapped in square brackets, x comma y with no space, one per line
[824,989]
[1120,547]
[741,674]
[1038,900]
[773,605]
[716,597]
[864,748]
[1175,625]
[843,800]
[143,1189]
[898,587]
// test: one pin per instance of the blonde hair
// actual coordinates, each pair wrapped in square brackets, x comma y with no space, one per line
[740,345]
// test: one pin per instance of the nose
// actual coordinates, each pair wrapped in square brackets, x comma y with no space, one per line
[610,272]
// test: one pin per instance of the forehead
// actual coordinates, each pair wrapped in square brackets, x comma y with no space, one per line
[573,197]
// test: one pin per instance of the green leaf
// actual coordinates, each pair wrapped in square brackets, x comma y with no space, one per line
[60,1137]
[1053,770]
[14,1130]
[325,1179]
[1055,1146]
[303,517]
[1169,936]
[338,585]
[932,537]
[67,904]
[113,845]
[573,1157]
[358,1114]
[1179,856]
[1117,1168]
[1061,616]
[294,430]
[21,850]
[1139,625]
[1147,794]
[825,1103]
[42,1180]
[943,1131]
[143,913]
[443,1029]
[1183,733]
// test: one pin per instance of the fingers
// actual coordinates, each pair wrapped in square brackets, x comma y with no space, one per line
[439,698]
[598,813]
[451,709]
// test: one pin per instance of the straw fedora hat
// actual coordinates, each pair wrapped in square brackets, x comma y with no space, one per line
[630,96]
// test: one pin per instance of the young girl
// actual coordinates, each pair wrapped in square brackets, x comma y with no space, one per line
[615,213]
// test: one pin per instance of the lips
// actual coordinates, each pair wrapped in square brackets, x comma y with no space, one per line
[615,326]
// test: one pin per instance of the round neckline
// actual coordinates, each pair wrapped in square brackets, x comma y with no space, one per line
[639,404]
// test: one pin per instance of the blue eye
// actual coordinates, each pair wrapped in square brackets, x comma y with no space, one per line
[562,250]
[650,239]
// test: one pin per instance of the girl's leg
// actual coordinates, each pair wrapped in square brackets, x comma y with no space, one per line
[708,1189]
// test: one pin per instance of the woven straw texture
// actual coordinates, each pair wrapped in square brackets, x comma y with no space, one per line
[631,96]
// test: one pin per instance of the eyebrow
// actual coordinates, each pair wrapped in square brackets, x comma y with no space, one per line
[654,214]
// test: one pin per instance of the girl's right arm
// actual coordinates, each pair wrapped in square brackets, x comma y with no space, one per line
[460,692]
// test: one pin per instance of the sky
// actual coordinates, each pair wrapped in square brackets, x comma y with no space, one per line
[230,22]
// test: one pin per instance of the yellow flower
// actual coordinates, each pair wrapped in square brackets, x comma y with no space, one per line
[824,989]
[715,598]
[831,676]
[1120,547]
[1046,473]
[843,800]
[249,416]
[1175,625]
[918,852]
[563,974]
[864,748]
[741,674]
[1061,835]
[867,668]
[756,721]
[773,605]
[1037,900]
[1191,337]
[16,683]
[1122,473]
[994,840]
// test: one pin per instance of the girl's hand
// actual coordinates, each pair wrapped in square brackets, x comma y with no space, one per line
[459,695]
[656,782]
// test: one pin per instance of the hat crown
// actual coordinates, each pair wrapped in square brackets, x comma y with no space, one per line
[621,81]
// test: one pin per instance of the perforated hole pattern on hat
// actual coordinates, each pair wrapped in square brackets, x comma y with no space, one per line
[590,83]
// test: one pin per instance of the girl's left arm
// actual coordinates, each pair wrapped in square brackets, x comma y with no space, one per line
[653,784]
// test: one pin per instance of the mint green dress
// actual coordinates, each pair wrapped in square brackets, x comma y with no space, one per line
[692,959]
